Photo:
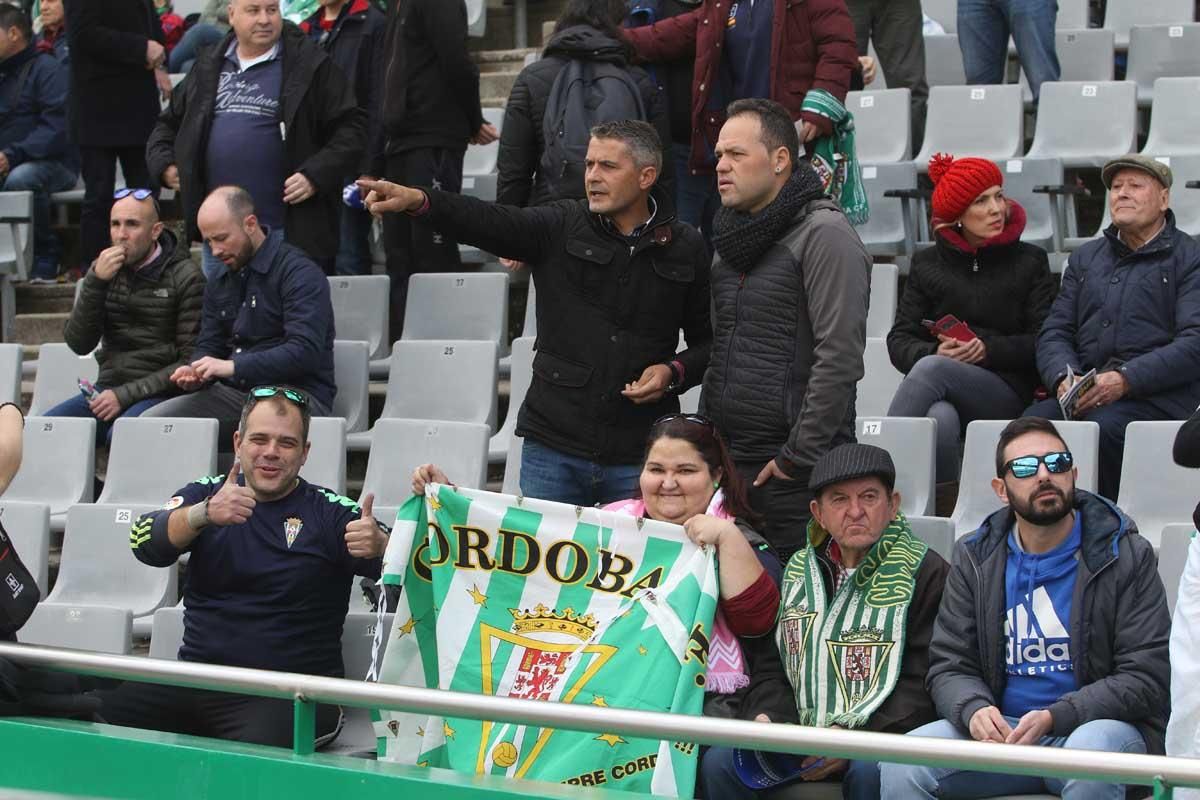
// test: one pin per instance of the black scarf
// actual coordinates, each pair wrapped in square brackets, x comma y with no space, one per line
[741,238]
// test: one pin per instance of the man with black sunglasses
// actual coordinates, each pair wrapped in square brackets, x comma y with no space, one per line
[1052,630]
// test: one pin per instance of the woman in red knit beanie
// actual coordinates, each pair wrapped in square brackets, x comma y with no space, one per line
[997,287]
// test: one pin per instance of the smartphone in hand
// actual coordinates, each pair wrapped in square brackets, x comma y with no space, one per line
[951,326]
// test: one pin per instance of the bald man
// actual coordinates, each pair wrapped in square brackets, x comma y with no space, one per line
[140,303]
[267,320]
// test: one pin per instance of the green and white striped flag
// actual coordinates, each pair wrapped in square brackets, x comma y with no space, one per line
[526,598]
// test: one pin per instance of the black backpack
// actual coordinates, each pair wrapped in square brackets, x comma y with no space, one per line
[584,94]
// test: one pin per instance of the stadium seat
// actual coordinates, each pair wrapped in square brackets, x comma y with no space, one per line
[326,464]
[476,17]
[885,279]
[166,634]
[16,234]
[1172,557]
[519,379]
[943,60]
[1021,176]
[1072,15]
[28,525]
[1185,202]
[1161,51]
[10,373]
[457,305]
[885,232]
[58,374]
[1083,55]
[528,327]
[447,380]
[512,467]
[1155,491]
[358,645]
[479,163]
[1175,117]
[1085,123]
[944,12]
[58,463]
[97,629]
[882,125]
[151,458]
[689,401]
[402,445]
[879,381]
[937,532]
[984,121]
[351,373]
[977,499]
[1121,15]
[911,441]
[360,309]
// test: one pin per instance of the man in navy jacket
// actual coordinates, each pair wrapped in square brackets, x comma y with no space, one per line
[1130,308]
[267,319]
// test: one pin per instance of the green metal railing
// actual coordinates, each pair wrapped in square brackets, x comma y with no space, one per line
[303,773]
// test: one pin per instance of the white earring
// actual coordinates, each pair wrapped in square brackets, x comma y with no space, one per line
[778,170]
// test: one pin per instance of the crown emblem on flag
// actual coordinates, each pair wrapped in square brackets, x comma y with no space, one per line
[546,620]
[862,635]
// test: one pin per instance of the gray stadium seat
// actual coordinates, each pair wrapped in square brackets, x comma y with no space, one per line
[457,305]
[360,309]
[1155,491]
[885,233]
[476,17]
[351,373]
[167,633]
[1161,51]
[1185,202]
[1172,557]
[28,525]
[1021,176]
[689,401]
[943,60]
[528,327]
[944,12]
[879,381]
[937,532]
[58,463]
[1175,117]
[10,373]
[1083,55]
[512,467]
[326,465]
[519,379]
[1121,15]
[58,374]
[911,441]
[885,280]
[448,380]
[402,445]
[976,499]
[984,121]
[16,234]
[479,163]
[1085,123]
[882,127]
[358,637]
[152,458]
[1072,15]
[98,629]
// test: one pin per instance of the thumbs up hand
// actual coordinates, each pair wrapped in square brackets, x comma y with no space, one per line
[233,504]
[364,537]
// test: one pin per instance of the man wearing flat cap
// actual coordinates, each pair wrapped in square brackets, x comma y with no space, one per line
[859,601]
[1130,308]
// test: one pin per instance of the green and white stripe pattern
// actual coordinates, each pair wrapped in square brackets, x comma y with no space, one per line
[527,598]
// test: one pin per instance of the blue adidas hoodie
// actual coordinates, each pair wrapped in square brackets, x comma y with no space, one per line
[1039,661]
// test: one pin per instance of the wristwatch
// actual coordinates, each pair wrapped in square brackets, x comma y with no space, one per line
[676,378]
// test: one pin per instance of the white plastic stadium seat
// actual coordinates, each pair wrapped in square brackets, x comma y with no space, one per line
[943,60]
[58,374]
[1083,55]
[326,464]
[1175,117]
[358,635]
[1021,176]
[360,309]
[881,313]
[402,445]
[28,525]
[16,234]
[99,629]
[519,379]
[167,633]
[10,373]
[945,12]
[457,305]
[937,532]
[1185,202]
[1172,557]
[512,467]
[351,373]
[58,464]
[479,162]
[1161,51]
[1155,491]
[885,232]
[910,441]
[1121,15]
[879,382]
[985,121]
[882,128]
[1086,123]
[151,458]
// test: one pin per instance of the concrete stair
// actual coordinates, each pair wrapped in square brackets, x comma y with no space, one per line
[498,70]
[42,311]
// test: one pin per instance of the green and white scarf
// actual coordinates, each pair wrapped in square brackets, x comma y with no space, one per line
[842,655]
[835,158]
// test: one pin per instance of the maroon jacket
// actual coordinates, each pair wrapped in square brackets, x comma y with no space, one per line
[812,46]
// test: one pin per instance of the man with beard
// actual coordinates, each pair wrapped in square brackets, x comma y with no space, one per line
[1052,631]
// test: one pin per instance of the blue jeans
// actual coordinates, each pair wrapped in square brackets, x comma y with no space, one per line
[354,247]
[904,781]
[77,406]
[696,198]
[718,779]
[983,30]
[200,35]
[548,474]
[43,178]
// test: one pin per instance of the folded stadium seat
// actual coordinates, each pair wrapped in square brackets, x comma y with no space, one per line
[882,125]
[528,327]
[1121,15]
[1185,200]
[438,380]
[167,633]
[512,467]
[402,445]
[910,440]
[153,457]
[351,373]
[937,532]
[28,525]
[879,381]
[976,499]
[981,121]
[58,464]
[1161,51]
[881,313]
[944,12]
[470,306]
[519,380]
[479,162]
[357,737]
[887,231]
[16,234]
[1172,557]
[1083,55]
[943,60]
[326,464]
[1155,491]
[10,373]
[1174,117]
[476,17]
[360,310]
[58,374]
[1022,178]
[99,629]
[1086,123]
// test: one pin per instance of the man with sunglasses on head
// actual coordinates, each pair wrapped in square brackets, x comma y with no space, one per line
[272,559]
[1052,631]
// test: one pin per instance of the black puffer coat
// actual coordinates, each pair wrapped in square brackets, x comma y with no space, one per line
[1002,291]
[521,139]
[146,321]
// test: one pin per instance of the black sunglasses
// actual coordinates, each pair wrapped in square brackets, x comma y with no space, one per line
[1027,466]
[261,392]
[138,194]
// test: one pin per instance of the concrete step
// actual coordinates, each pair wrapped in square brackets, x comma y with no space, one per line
[502,60]
[38,328]
[497,84]
[34,298]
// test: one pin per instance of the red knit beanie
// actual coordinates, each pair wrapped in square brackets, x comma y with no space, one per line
[956,183]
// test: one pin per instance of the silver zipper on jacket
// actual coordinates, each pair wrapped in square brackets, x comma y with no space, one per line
[975,264]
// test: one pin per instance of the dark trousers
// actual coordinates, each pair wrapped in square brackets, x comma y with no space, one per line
[782,504]
[411,243]
[896,28]
[217,715]
[99,169]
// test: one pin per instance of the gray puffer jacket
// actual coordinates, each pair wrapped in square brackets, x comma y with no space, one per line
[788,339]
[1119,627]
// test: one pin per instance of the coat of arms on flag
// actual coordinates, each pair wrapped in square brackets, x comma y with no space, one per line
[542,601]
[291,529]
